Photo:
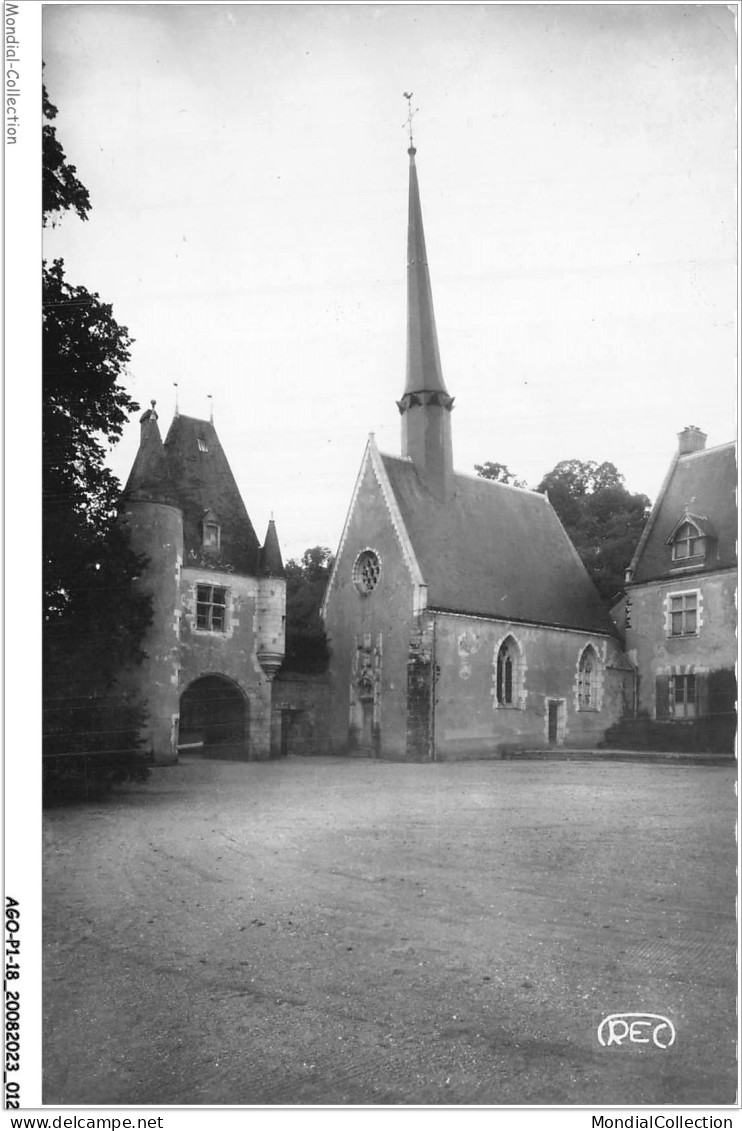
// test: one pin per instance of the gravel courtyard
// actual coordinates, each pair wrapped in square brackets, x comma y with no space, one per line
[328,931]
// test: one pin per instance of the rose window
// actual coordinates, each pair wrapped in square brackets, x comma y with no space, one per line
[366,571]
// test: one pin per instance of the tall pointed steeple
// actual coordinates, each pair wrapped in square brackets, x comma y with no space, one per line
[426,404]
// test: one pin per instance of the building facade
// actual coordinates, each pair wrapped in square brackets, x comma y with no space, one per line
[461,620]
[679,614]
[218,598]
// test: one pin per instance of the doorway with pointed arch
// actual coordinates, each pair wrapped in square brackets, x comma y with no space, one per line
[214,718]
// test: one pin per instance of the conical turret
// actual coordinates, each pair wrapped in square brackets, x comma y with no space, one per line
[271,562]
[149,478]
[271,609]
[426,404]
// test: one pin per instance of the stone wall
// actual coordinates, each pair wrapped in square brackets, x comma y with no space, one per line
[469,720]
[231,654]
[369,635]
[156,530]
[658,655]
[301,715]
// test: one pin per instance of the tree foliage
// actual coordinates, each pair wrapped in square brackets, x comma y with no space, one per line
[94,616]
[84,353]
[603,519]
[307,648]
[499,472]
[60,188]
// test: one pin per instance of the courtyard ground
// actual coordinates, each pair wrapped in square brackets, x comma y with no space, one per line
[328,931]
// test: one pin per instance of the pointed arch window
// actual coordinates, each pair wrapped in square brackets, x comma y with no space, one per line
[587,680]
[509,678]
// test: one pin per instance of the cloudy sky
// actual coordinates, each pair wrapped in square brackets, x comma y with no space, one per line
[247,170]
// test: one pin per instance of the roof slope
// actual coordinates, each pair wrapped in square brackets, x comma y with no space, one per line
[496,551]
[705,484]
[202,480]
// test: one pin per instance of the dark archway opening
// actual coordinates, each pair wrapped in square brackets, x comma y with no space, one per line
[213,719]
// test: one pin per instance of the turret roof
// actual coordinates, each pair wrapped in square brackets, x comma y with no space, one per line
[204,482]
[271,562]
[190,471]
[149,478]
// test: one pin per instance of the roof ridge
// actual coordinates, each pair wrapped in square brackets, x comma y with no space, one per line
[477,478]
[709,451]
[196,419]
[499,483]
[401,459]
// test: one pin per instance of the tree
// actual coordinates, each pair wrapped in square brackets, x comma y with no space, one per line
[307,648]
[603,519]
[498,472]
[94,616]
[60,188]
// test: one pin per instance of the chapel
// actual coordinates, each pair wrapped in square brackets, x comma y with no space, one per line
[461,620]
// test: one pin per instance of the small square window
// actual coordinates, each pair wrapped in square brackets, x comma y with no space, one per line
[202,445]
[684,614]
[211,608]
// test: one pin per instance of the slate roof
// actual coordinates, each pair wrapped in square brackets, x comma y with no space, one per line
[271,562]
[196,477]
[703,483]
[149,478]
[496,551]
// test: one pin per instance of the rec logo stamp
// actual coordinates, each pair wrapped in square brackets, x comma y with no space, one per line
[636,1029]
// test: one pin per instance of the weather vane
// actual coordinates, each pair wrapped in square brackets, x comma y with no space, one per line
[211,407]
[175,384]
[410,115]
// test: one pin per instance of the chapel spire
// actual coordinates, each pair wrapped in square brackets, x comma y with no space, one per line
[426,405]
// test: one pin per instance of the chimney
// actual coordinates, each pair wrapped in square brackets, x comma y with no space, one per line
[691,439]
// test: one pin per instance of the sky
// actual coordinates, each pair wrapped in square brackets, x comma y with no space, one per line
[247,170]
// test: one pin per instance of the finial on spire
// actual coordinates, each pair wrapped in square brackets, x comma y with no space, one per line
[211,407]
[175,383]
[410,115]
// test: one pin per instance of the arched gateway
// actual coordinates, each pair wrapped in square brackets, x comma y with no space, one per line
[214,718]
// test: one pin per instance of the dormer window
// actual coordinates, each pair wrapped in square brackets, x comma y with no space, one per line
[692,542]
[688,542]
[211,535]
[211,531]
[202,445]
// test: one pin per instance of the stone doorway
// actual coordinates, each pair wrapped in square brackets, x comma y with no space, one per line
[213,719]
[555,721]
